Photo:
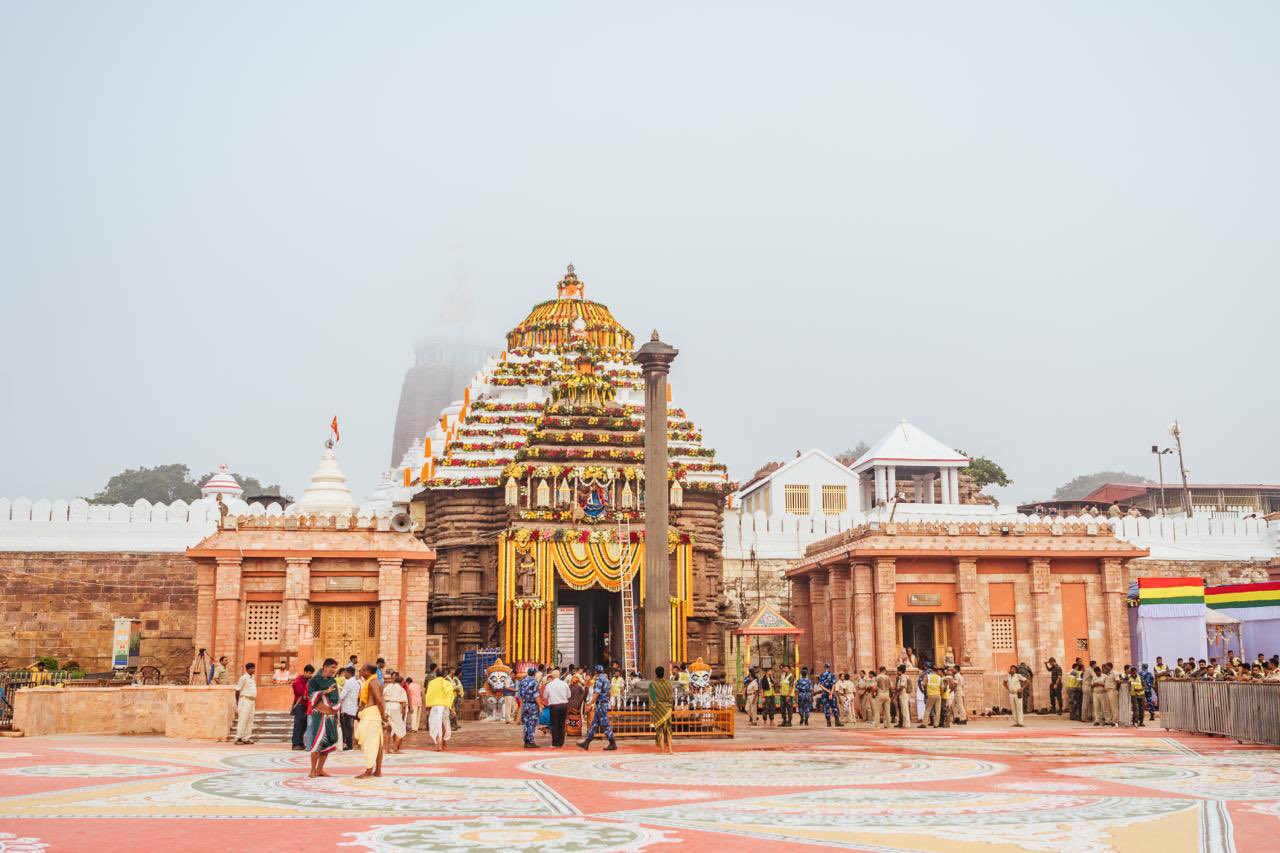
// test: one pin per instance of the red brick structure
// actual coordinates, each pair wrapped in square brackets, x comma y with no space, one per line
[995,593]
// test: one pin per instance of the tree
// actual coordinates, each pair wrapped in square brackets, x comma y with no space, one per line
[166,484]
[852,455]
[1086,483]
[161,484]
[984,472]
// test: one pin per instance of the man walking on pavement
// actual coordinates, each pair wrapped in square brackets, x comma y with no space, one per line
[246,699]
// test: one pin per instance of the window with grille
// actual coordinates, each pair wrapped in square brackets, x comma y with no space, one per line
[835,500]
[262,622]
[797,499]
[373,622]
[1002,634]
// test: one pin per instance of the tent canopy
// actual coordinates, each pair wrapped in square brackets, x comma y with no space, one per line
[1217,617]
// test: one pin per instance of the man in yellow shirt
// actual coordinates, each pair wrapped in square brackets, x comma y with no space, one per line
[932,699]
[439,701]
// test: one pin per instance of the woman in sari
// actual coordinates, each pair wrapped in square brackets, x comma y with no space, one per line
[661,694]
[323,705]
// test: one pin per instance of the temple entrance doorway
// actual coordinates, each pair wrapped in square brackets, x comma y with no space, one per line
[343,630]
[589,633]
[918,633]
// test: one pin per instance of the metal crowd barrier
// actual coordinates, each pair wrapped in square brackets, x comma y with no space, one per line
[1248,712]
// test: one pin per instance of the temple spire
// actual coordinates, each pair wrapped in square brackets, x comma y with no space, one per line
[569,287]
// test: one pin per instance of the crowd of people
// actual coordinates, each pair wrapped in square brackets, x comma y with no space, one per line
[880,697]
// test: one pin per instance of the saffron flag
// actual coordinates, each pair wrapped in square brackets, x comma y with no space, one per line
[334,426]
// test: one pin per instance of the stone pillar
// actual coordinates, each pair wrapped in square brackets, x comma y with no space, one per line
[390,594]
[881,480]
[228,633]
[1113,611]
[840,592]
[417,589]
[820,616]
[954,478]
[928,489]
[886,584]
[967,617]
[206,579]
[297,592]
[891,482]
[864,614]
[655,359]
[801,615]
[1038,569]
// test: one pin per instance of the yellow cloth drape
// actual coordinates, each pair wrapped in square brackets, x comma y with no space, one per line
[368,734]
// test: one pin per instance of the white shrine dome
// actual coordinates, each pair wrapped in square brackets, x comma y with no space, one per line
[221,483]
[328,493]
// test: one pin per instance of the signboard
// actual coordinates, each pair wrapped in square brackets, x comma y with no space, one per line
[924,599]
[567,634]
[126,643]
[306,632]
[435,648]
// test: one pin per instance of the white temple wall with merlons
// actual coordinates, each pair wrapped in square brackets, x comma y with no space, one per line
[77,525]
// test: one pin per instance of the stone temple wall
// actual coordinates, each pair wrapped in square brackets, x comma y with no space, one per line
[62,604]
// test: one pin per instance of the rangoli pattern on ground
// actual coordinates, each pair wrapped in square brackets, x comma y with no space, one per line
[10,843]
[93,771]
[1048,747]
[522,835]
[1239,776]
[942,820]
[767,769]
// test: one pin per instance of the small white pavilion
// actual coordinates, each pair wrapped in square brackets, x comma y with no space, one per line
[222,483]
[909,453]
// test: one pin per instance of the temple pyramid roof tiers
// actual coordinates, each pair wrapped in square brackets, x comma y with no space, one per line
[551,324]
[908,451]
[221,483]
[328,493]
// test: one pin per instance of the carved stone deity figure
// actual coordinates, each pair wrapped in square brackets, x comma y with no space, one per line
[527,575]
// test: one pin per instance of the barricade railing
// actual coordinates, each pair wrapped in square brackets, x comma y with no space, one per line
[1245,711]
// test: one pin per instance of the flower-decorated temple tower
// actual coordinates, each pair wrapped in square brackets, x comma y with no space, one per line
[533,493]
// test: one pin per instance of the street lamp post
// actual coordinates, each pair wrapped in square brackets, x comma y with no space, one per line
[1156,449]
[1176,432]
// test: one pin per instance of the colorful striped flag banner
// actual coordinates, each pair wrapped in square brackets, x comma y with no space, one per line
[1168,597]
[1247,601]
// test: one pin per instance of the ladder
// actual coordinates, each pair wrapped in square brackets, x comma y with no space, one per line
[630,658]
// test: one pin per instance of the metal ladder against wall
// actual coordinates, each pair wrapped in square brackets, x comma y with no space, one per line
[630,657]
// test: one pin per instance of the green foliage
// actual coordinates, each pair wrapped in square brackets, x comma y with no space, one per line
[848,457]
[50,662]
[166,484]
[984,472]
[1086,483]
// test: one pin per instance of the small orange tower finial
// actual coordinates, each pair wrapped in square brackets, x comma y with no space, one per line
[569,287]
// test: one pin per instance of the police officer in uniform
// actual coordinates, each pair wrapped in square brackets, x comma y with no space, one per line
[600,721]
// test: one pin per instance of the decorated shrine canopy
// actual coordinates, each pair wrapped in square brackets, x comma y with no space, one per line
[768,622]
[1257,607]
[1169,620]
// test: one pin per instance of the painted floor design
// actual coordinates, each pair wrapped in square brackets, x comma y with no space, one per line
[989,790]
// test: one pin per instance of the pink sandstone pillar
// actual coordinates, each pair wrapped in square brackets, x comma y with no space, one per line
[841,639]
[297,592]
[967,611]
[417,589]
[820,616]
[228,635]
[206,579]
[390,593]
[801,615]
[886,584]
[1038,569]
[864,614]
[1113,609]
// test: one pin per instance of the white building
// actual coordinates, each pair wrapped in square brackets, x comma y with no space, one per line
[814,483]
[909,465]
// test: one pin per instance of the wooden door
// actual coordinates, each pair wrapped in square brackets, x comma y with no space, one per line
[347,629]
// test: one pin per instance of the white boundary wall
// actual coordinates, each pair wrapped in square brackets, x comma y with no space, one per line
[77,525]
[785,537]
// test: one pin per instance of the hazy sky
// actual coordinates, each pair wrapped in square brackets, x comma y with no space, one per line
[1037,233]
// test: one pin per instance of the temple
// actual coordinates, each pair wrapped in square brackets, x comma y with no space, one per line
[531,488]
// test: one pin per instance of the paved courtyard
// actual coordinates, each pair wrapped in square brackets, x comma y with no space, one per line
[983,787]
